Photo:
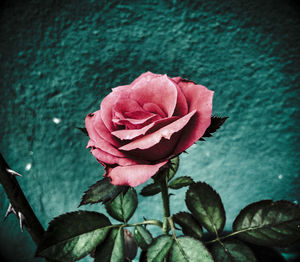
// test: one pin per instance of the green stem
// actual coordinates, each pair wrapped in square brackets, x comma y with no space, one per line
[226,236]
[171,223]
[166,203]
[147,222]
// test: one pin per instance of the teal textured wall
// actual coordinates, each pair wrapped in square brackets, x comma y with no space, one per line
[60,58]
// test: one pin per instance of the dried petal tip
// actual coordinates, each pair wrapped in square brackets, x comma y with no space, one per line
[9,211]
[12,172]
[22,220]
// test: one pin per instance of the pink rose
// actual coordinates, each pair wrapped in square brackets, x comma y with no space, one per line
[140,126]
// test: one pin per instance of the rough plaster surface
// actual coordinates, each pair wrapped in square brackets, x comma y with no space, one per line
[60,58]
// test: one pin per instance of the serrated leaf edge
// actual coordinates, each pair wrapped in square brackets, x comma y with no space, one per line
[155,239]
[269,202]
[53,221]
[177,178]
[222,206]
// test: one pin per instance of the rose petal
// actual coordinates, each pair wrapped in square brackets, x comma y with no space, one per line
[148,75]
[129,111]
[153,108]
[158,90]
[101,143]
[181,105]
[104,157]
[108,103]
[198,98]
[158,152]
[98,132]
[133,175]
[166,132]
[133,133]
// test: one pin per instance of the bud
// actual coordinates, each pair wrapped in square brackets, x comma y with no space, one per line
[130,246]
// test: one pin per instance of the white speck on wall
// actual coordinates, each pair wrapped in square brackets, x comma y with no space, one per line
[30,153]
[280,176]
[28,167]
[56,120]
[295,202]
[207,154]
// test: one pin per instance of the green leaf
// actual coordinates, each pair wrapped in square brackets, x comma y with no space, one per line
[167,172]
[188,249]
[83,130]
[104,250]
[143,237]
[123,206]
[174,165]
[72,236]
[189,225]
[206,206]
[118,249]
[215,124]
[112,249]
[180,182]
[150,190]
[103,191]
[269,223]
[159,248]
[232,251]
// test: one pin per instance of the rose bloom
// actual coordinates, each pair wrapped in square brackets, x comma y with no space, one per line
[140,126]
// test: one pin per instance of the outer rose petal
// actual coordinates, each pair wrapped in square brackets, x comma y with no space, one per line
[108,103]
[147,75]
[133,175]
[104,157]
[98,132]
[158,90]
[198,98]
[181,105]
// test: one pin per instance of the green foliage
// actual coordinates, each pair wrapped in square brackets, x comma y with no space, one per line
[112,249]
[189,224]
[83,130]
[232,251]
[142,237]
[102,191]
[72,236]
[188,249]
[269,223]
[180,182]
[123,206]
[159,248]
[206,206]
[215,124]
[150,190]
[174,165]
[170,171]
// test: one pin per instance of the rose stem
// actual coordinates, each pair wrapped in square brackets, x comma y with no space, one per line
[19,202]
[166,202]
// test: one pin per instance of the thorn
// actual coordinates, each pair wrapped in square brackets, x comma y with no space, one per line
[12,172]
[22,220]
[9,211]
